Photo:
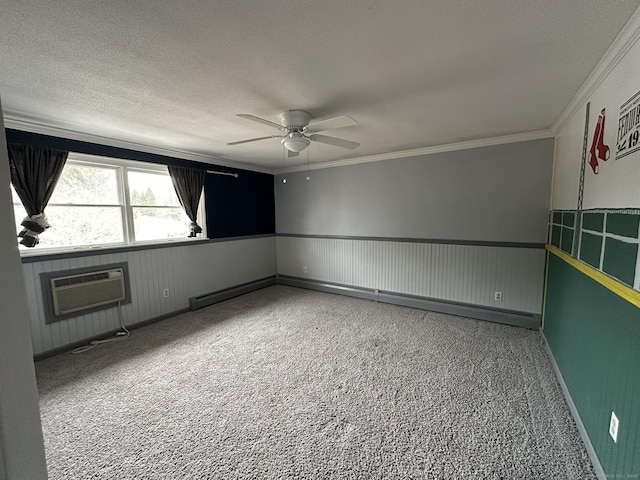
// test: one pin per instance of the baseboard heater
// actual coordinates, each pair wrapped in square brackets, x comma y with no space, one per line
[210,298]
[508,317]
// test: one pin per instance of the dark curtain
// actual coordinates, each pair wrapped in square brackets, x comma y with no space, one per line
[34,174]
[188,183]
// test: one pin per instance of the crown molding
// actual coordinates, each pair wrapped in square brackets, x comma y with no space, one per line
[449,147]
[20,122]
[625,40]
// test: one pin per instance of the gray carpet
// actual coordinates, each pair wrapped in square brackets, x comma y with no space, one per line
[289,383]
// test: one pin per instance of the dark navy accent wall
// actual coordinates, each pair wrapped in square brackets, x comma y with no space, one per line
[28,138]
[235,206]
[238,208]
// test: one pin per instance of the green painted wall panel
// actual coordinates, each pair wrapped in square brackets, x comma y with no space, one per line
[595,338]
[556,233]
[593,221]
[590,249]
[620,260]
[568,219]
[567,240]
[624,224]
[557,217]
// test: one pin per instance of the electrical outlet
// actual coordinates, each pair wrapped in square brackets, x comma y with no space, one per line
[498,296]
[165,292]
[613,427]
[305,269]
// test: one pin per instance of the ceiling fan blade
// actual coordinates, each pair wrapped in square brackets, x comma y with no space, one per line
[260,120]
[331,123]
[292,154]
[253,140]
[338,142]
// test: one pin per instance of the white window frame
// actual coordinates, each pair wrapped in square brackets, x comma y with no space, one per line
[122,167]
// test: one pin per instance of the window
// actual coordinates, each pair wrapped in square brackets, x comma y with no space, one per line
[107,202]
[155,209]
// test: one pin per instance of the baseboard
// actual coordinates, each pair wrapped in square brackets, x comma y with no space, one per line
[214,297]
[508,317]
[574,413]
[328,287]
[111,333]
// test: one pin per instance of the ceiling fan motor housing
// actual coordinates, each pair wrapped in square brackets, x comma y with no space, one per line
[295,119]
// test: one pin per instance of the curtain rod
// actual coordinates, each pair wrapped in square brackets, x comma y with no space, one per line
[234,175]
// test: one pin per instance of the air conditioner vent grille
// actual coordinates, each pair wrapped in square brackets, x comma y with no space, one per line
[74,293]
[92,277]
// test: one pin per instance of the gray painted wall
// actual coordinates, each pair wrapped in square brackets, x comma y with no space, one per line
[21,444]
[490,194]
[496,193]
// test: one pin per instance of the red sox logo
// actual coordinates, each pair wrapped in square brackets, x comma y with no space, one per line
[598,149]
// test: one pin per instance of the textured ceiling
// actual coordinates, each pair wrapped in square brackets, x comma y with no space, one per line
[414,74]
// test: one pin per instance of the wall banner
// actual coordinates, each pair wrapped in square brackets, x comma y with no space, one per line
[629,127]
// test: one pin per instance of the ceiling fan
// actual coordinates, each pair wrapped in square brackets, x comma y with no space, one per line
[298,133]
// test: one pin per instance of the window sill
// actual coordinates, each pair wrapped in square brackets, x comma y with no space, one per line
[57,254]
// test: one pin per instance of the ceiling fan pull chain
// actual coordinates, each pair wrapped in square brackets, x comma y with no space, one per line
[284,161]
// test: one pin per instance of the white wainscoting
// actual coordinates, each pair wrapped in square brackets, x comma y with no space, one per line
[186,271]
[457,273]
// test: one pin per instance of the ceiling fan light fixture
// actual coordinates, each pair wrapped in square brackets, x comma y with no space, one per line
[295,143]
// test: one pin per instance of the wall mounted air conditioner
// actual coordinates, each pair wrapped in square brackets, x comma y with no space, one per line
[73,293]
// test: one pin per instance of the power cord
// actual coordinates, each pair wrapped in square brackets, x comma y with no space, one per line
[120,335]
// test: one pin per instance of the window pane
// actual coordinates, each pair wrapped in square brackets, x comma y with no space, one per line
[73,226]
[159,223]
[83,184]
[153,189]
